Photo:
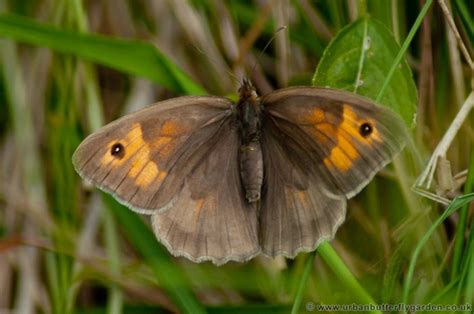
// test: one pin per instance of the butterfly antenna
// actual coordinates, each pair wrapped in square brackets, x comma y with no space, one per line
[215,63]
[266,46]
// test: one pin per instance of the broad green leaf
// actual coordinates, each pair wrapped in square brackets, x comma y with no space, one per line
[358,60]
[130,56]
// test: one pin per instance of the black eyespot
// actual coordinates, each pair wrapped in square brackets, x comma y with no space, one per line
[117,150]
[365,129]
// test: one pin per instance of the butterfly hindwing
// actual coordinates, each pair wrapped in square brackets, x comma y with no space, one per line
[296,212]
[210,219]
[143,158]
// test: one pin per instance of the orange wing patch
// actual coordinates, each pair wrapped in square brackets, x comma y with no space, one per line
[148,174]
[199,205]
[171,129]
[324,133]
[302,198]
[142,169]
[164,144]
[315,116]
[338,159]
[343,155]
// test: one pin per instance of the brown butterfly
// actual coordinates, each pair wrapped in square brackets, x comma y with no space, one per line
[225,181]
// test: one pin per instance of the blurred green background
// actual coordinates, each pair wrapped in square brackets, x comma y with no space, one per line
[70,66]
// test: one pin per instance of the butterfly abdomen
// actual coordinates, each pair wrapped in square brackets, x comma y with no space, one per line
[251,170]
[251,158]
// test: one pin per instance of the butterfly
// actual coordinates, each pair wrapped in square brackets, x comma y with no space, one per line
[225,181]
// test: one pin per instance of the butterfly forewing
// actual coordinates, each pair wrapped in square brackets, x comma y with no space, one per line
[143,158]
[342,139]
[178,160]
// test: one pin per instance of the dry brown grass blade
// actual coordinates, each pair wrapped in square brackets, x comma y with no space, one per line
[281,11]
[252,34]
[426,178]
[196,28]
[454,29]
[424,182]
[316,21]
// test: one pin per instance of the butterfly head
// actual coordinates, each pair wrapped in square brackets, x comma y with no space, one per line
[247,91]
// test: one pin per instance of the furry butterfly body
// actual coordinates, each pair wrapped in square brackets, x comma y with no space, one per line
[226,181]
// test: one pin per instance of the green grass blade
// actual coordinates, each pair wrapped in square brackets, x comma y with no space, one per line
[115,300]
[130,56]
[304,279]
[403,49]
[156,256]
[463,222]
[465,283]
[393,272]
[444,293]
[455,204]
[336,13]
[332,259]
[469,289]
[468,21]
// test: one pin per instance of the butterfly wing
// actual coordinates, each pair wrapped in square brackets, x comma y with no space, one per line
[297,212]
[211,219]
[343,138]
[178,161]
[143,158]
[320,147]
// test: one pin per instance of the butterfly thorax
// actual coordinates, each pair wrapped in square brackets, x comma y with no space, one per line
[251,159]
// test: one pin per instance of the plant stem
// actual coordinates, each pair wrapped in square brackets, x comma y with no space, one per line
[303,281]
[334,262]
[404,48]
